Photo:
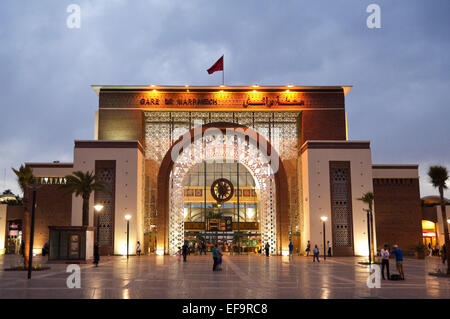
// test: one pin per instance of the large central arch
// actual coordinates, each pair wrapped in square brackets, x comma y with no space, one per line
[248,149]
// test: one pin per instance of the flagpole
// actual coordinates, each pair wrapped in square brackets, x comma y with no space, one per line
[223,71]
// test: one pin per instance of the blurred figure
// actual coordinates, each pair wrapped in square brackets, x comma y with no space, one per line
[398,253]
[316,254]
[291,251]
[385,262]
[96,254]
[138,248]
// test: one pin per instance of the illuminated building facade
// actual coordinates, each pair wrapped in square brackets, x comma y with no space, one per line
[240,165]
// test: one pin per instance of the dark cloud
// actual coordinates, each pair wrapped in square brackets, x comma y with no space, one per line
[400,75]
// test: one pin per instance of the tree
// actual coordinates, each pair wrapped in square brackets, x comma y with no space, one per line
[368,198]
[25,178]
[438,178]
[83,184]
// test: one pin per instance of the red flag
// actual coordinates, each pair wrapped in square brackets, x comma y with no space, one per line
[218,66]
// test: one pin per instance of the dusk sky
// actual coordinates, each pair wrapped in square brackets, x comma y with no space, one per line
[401,73]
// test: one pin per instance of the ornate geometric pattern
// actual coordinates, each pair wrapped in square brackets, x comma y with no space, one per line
[341,204]
[223,149]
[164,128]
[106,216]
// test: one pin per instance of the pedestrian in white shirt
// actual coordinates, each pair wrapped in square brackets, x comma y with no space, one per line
[385,261]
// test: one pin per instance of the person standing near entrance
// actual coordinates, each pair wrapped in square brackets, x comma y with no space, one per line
[214,255]
[138,248]
[329,248]
[96,255]
[398,253]
[185,251]
[385,261]
[291,251]
[267,249]
[316,254]
[308,248]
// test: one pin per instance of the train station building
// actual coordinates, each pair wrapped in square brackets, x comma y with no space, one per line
[241,165]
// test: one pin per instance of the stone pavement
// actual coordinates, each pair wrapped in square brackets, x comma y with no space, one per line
[242,277]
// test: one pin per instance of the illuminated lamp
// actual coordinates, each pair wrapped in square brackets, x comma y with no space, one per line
[287,91]
[448,221]
[285,252]
[160,252]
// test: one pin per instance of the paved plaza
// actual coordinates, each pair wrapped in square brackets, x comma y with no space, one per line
[242,277]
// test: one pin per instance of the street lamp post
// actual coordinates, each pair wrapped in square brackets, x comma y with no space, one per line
[128,217]
[324,219]
[368,234]
[98,208]
[33,213]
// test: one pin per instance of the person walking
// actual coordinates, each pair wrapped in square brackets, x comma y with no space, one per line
[267,249]
[96,255]
[430,250]
[308,248]
[185,251]
[179,254]
[138,248]
[385,262]
[316,254]
[436,250]
[398,253]
[291,251]
[329,248]
[219,257]
[214,255]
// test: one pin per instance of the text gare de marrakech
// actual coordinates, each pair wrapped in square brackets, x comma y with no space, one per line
[180,102]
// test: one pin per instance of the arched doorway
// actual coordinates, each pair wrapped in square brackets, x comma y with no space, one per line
[224,142]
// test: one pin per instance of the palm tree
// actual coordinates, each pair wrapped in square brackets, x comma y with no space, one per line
[83,184]
[438,178]
[368,198]
[24,179]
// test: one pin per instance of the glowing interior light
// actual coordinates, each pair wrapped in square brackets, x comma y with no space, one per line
[324,218]
[160,252]
[287,91]
[429,234]
[285,252]
[98,207]
[127,217]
